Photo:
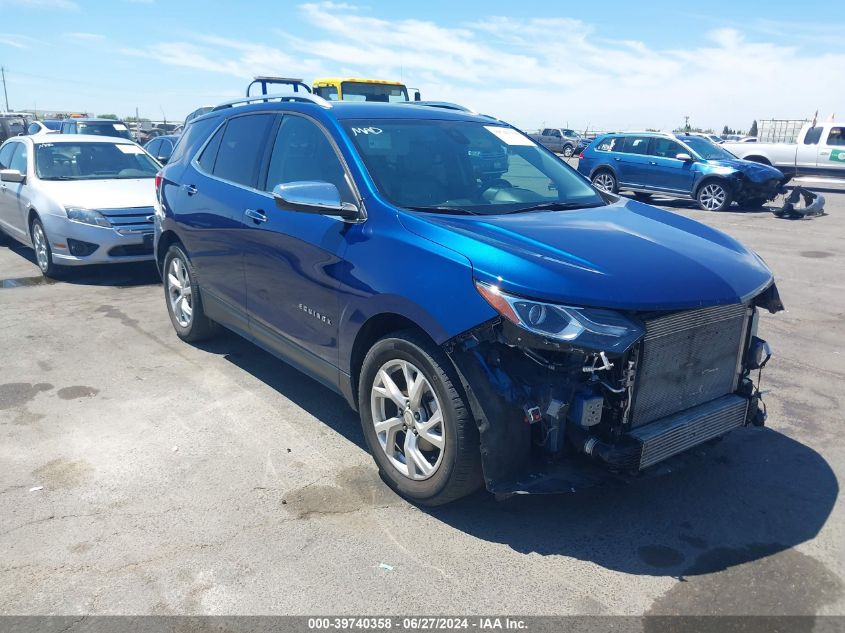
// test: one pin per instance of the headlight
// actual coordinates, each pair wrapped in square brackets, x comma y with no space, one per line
[584,327]
[87,216]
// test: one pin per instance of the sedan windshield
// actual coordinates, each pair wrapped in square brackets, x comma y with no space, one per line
[707,150]
[466,167]
[92,161]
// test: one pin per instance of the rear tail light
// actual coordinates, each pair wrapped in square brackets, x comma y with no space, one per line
[581,155]
[159,180]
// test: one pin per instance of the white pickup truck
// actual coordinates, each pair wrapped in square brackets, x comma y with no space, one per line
[819,151]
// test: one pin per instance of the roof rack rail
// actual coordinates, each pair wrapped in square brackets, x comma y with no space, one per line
[655,132]
[285,96]
[446,105]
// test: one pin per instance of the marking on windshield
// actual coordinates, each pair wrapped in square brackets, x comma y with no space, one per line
[366,130]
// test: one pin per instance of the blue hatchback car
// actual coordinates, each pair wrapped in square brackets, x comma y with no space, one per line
[682,166]
[494,318]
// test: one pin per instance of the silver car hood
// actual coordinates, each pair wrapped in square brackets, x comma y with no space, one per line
[101,194]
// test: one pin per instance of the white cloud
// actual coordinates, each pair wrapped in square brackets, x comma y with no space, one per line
[516,69]
[16,40]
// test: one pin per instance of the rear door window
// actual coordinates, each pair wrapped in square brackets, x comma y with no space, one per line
[242,147]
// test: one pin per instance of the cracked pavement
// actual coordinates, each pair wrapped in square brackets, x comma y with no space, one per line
[218,480]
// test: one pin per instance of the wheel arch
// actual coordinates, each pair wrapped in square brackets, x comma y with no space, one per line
[712,178]
[604,167]
[754,158]
[165,241]
[374,328]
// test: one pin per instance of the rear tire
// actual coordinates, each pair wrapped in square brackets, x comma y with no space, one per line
[568,151]
[184,299]
[43,252]
[606,181]
[713,196]
[405,384]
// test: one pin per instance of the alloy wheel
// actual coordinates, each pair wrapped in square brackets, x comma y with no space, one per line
[408,419]
[604,182]
[179,292]
[712,197]
[39,241]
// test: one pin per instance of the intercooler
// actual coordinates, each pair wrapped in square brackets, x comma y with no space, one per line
[688,358]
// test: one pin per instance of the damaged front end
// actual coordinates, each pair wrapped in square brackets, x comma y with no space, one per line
[566,398]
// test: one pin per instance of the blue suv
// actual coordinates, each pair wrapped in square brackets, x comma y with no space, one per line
[682,166]
[494,318]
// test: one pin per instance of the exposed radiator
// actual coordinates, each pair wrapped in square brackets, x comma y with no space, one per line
[688,358]
[686,429]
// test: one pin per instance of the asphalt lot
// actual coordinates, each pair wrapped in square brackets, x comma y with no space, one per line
[215,479]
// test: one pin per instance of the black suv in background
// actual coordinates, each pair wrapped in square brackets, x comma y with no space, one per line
[100,127]
[11,126]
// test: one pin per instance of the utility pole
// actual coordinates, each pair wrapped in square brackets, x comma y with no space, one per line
[5,94]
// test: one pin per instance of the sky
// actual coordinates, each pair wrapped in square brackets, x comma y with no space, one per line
[608,65]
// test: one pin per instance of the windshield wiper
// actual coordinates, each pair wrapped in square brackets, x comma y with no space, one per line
[436,209]
[557,206]
[60,178]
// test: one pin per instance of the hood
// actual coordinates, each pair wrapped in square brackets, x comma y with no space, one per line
[756,172]
[101,194]
[626,256]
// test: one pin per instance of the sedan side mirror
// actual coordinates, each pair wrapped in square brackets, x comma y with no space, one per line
[162,159]
[310,196]
[12,175]
[684,157]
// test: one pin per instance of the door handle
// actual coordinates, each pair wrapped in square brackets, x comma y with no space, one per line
[617,158]
[190,189]
[257,216]
[651,162]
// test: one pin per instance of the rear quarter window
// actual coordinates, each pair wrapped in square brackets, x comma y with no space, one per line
[194,135]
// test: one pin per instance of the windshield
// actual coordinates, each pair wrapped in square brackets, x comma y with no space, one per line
[707,150]
[104,129]
[465,166]
[361,91]
[92,161]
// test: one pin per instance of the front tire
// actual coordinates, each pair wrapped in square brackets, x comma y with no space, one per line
[43,252]
[568,151]
[417,425]
[184,299]
[606,181]
[714,196]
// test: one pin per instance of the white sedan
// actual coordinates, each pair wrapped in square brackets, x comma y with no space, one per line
[78,199]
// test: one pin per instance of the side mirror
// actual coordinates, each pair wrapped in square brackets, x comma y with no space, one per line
[12,175]
[162,159]
[318,197]
[684,157]
[417,96]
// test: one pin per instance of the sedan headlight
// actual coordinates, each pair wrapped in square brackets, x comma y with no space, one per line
[87,216]
[584,327]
